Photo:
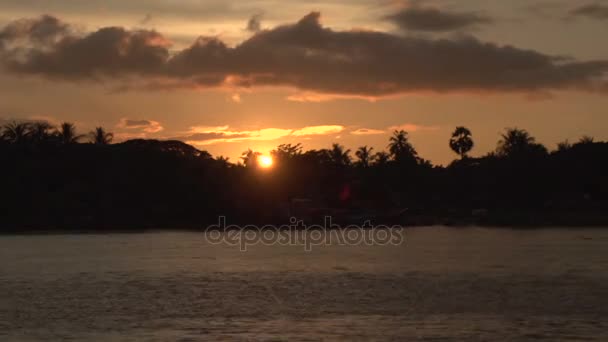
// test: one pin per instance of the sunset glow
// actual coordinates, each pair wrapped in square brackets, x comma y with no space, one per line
[278,169]
[214,74]
[265,161]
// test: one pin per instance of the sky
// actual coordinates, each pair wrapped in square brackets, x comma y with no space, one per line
[226,75]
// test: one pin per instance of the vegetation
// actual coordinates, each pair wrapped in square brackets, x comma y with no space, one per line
[53,178]
[461,141]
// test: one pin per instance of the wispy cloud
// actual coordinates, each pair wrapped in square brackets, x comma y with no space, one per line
[436,20]
[317,130]
[205,135]
[367,131]
[147,126]
[594,11]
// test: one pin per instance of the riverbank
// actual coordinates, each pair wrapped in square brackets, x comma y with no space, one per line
[502,219]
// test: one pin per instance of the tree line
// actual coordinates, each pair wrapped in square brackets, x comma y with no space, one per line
[54,178]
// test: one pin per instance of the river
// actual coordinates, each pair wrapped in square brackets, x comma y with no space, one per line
[440,284]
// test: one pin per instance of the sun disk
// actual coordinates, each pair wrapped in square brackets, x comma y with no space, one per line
[265,161]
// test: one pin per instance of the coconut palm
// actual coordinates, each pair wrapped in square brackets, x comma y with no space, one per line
[40,131]
[16,132]
[461,141]
[518,142]
[364,154]
[99,136]
[339,156]
[400,148]
[381,158]
[67,134]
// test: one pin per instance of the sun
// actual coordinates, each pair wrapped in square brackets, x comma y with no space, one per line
[265,161]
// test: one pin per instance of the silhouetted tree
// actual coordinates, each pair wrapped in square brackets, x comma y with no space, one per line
[585,139]
[223,162]
[16,132]
[364,154]
[250,158]
[518,142]
[339,156]
[400,149]
[67,134]
[99,136]
[146,182]
[40,132]
[381,158]
[461,141]
[286,152]
[564,146]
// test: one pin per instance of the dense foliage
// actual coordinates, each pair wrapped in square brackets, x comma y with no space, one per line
[53,178]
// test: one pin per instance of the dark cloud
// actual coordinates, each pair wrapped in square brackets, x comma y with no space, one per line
[255,23]
[47,47]
[148,126]
[136,123]
[435,20]
[593,11]
[42,31]
[304,55]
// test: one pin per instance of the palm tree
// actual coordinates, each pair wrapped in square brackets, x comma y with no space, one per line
[381,158]
[400,148]
[338,155]
[461,141]
[518,142]
[67,134]
[40,131]
[364,154]
[99,136]
[16,132]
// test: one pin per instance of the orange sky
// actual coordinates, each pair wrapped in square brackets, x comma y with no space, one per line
[311,100]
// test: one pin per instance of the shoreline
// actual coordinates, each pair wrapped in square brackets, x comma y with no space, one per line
[425,225]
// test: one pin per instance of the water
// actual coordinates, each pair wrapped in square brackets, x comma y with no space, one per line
[442,284]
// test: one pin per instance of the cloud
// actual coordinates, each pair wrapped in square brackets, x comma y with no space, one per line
[410,127]
[48,47]
[318,130]
[367,131]
[314,97]
[255,23]
[593,11]
[305,56]
[147,126]
[546,9]
[204,135]
[208,129]
[436,20]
